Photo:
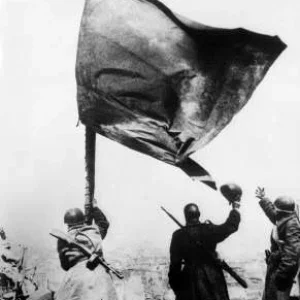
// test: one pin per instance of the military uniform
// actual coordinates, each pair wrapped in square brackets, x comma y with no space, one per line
[80,282]
[283,261]
[192,273]
[14,270]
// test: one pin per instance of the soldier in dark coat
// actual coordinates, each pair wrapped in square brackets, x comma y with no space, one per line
[283,257]
[192,274]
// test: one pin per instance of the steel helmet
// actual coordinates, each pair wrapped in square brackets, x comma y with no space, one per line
[284,204]
[191,211]
[231,191]
[74,216]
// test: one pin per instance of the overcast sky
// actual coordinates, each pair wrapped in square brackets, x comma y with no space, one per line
[42,150]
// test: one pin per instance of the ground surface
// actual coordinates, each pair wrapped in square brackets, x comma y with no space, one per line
[146,277]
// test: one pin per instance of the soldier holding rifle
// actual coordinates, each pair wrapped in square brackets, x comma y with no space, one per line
[80,254]
[194,272]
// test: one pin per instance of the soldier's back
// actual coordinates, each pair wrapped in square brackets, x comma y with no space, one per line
[196,242]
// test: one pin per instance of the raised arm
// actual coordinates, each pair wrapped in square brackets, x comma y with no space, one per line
[231,225]
[266,205]
[100,220]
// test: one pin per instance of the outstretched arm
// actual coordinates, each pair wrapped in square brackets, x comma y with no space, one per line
[266,205]
[231,225]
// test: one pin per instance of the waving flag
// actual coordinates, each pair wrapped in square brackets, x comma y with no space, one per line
[161,84]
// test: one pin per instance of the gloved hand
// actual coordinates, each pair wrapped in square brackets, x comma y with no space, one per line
[89,209]
[95,203]
[236,204]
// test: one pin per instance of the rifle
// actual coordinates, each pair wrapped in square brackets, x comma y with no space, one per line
[218,262]
[21,262]
[93,257]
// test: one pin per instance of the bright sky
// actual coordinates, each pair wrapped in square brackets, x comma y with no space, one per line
[42,152]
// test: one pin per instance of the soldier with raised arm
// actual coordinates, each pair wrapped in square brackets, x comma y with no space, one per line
[283,257]
[84,281]
[193,273]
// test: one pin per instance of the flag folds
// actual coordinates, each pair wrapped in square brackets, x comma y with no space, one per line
[162,84]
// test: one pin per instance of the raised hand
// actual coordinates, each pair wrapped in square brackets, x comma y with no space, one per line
[95,202]
[260,193]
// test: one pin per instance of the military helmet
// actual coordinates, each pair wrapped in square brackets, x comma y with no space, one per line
[191,211]
[74,216]
[284,204]
[231,191]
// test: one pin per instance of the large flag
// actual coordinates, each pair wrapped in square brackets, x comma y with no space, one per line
[161,84]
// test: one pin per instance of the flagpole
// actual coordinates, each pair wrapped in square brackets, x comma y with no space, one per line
[90,156]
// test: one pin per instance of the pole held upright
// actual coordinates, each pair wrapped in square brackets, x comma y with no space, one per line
[90,157]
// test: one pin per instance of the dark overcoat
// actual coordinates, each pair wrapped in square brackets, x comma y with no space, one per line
[283,262]
[192,274]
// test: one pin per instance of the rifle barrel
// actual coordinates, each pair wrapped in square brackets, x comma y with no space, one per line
[172,217]
[60,235]
[233,274]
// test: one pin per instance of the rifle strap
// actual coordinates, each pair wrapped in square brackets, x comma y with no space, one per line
[86,236]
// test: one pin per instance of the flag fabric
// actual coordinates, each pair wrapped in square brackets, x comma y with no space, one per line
[161,84]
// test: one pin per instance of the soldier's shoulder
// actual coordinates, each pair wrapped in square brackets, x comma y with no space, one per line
[178,231]
[89,229]
[293,222]
[208,224]
[177,234]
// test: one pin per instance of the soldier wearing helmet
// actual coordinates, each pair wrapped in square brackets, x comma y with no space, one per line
[83,281]
[283,256]
[74,217]
[193,275]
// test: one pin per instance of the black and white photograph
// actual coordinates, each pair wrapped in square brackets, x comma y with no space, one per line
[149,150]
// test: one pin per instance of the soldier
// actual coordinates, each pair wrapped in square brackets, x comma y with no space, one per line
[84,281]
[14,270]
[193,274]
[283,257]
